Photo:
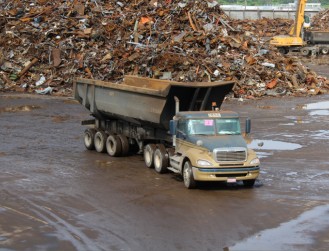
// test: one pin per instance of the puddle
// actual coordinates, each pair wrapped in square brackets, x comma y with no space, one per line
[325,174]
[296,120]
[272,145]
[262,155]
[319,113]
[318,109]
[317,106]
[321,134]
[22,108]
[292,174]
[296,234]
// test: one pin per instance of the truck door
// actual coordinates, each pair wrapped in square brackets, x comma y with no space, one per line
[181,134]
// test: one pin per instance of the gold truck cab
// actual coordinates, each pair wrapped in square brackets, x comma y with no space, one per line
[209,146]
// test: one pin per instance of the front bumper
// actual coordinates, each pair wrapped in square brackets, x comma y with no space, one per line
[225,174]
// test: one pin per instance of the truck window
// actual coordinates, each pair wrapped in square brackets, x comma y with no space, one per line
[201,127]
[181,128]
[228,126]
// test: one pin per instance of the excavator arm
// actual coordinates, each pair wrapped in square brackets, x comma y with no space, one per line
[296,29]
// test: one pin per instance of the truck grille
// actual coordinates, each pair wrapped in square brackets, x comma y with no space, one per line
[234,154]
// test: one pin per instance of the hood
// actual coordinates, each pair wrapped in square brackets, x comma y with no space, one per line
[222,141]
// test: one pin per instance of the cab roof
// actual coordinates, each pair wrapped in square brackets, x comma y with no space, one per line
[207,114]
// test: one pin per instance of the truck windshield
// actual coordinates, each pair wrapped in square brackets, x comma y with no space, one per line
[228,126]
[213,126]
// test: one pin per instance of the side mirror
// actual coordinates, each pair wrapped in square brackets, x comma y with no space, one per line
[248,125]
[172,127]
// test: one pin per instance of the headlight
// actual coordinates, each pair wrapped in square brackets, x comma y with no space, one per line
[255,162]
[202,162]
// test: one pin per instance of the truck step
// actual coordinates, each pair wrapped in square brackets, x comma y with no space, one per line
[173,169]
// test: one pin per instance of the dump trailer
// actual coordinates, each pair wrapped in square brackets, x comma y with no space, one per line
[177,126]
[316,40]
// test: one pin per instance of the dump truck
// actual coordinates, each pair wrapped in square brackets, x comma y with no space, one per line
[177,126]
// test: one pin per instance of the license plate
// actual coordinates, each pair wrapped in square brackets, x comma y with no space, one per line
[231,180]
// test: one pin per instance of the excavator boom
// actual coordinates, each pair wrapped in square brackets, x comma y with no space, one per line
[299,19]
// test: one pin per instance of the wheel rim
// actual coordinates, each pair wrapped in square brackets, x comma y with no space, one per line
[305,52]
[325,51]
[157,161]
[187,175]
[98,142]
[147,156]
[111,146]
[88,139]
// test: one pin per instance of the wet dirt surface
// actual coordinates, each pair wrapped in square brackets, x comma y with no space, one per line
[56,195]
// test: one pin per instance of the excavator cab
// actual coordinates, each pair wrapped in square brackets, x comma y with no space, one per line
[307,22]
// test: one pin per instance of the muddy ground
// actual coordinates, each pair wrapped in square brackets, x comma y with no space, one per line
[56,195]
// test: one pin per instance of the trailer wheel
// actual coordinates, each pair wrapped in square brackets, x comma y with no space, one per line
[324,50]
[89,138]
[149,155]
[113,145]
[249,183]
[161,159]
[124,144]
[188,178]
[305,51]
[100,140]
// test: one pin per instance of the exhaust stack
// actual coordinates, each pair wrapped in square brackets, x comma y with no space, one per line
[177,105]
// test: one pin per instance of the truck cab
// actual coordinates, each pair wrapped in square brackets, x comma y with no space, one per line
[209,146]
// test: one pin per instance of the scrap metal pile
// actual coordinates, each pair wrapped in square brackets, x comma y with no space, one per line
[321,21]
[46,44]
[265,27]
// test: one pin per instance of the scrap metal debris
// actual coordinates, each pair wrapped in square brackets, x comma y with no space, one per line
[321,20]
[180,40]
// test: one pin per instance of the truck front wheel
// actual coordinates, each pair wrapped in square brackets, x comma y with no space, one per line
[161,159]
[113,145]
[100,139]
[188,178]
[89,138]
[149,155]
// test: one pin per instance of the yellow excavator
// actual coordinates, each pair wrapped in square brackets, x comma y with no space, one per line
[301,39]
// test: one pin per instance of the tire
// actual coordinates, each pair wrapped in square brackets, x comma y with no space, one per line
[249,183]
[89,138]
[188,178]
[124,144]
[100,141]
[113,145]
[149,155]
[325,50]
[282,50]
[305,52]
[161,159]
